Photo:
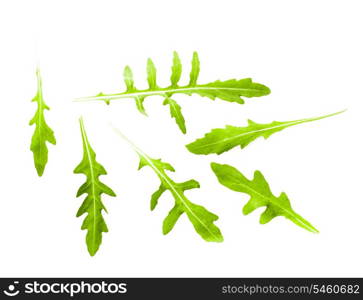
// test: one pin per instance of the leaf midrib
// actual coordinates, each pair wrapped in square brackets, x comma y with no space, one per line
[160,91]
[163,176]
[40,115]
[176,192]
[281,125]
[93,182]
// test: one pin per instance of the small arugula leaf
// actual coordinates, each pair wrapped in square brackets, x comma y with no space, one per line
[223,139]
[175,112]
[94,222]
[229,90]
[261,195]
[43,133]
[202,219]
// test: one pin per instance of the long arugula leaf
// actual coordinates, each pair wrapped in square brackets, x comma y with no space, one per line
[261,196]
[230,90]
[42,133]
[202,219]
[224,139]
[94,222]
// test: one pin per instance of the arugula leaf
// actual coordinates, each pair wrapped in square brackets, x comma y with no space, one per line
[202,219]
[43,133]
[224,139]
[230,90]
[261,196]
[94,222]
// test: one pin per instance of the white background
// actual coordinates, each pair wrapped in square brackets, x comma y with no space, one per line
[308,52]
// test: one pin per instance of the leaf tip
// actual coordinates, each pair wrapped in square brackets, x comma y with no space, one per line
[144,113]
[220,239]
[214,166]
[39,167]
[166,229]
[127,69]
[246,210]
[150,62]
[267,90]
[92,252]
[40,170]
[312,229]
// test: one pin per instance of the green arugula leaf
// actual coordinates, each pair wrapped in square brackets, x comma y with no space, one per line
[202,219]
[230,90]
[224,139]
[261,196]
[94,222]
[43,133]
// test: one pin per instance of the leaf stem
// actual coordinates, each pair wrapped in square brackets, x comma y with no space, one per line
[136,149]
[160,91]
[171,185]
[318,118]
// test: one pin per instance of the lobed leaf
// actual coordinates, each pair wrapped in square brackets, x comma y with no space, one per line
[224,139]
[229,90]
[260,196]
[42,133]
[201,219]
[92,205]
